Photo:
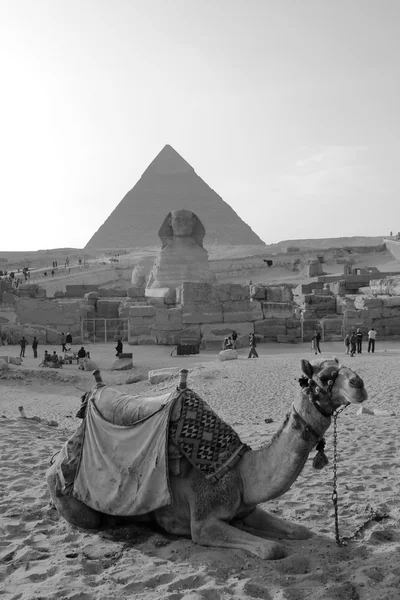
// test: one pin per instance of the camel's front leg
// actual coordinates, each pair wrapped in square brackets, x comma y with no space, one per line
[259,522]
[214,532]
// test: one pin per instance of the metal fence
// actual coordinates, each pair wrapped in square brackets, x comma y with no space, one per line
[101,331]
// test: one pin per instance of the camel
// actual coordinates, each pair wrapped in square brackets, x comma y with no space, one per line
[226,513]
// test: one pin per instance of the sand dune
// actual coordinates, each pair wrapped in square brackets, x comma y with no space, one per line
[43,557]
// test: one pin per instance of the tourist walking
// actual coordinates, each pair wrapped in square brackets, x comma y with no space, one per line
[315,342]
[23,343]
[359,336]
[234,338]
[371,340]
[63,340]
[35,344]
[81,356]
[119,347]
[353,343]
[252,344]
[347,343]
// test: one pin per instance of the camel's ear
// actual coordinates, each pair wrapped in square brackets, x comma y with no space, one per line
[336,360]
[306,368]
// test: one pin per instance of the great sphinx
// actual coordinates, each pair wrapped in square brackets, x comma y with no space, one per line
[182,256]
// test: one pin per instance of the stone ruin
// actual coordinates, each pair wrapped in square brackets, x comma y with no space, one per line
[181,299]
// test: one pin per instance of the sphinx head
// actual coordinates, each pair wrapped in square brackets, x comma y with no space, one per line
[182,223]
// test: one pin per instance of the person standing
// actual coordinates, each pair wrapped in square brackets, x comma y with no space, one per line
[119,347]
[234,338]
[63,340]
[353,343]
[347,343]
[315,342]
[359,336]
[371,340]
[252,344]
[68,339]
[34,347]
[23,343]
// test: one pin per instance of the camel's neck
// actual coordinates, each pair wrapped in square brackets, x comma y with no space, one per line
[270,471]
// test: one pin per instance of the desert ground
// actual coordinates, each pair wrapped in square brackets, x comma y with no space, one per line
[43,557]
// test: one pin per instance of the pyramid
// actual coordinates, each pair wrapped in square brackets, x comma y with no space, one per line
[170,183]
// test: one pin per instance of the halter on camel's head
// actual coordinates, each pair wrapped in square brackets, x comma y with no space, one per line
[330,385]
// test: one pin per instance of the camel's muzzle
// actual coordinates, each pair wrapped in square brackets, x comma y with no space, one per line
[356,382]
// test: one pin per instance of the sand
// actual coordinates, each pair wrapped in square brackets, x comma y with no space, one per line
[43,557]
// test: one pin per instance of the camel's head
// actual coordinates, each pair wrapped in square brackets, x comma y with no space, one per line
[333,384]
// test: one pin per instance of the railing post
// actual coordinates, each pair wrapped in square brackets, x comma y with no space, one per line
[105,331]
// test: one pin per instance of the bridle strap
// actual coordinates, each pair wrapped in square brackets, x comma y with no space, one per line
[319,389]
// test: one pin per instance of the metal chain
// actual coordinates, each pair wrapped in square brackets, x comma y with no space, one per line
[334,492]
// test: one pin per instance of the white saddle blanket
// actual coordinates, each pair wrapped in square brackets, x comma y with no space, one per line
[124,469]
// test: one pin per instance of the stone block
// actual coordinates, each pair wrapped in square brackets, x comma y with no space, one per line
[361,302]
[211,316]
[393,311]
[142,311]
[228,355]
[108,309]
[243,317]
[279,293]
[137,330]
[332,324]
[8,298]
[391,301]
[91,296]
[277,310]
[371,313]
[168,295]
[158,303]
[14,360]
[168,320]
[122,364]
[195,292]
[258,292]
[160,375]
[292,323]
[136,292]
[112,293]
[270,327]
[233,292]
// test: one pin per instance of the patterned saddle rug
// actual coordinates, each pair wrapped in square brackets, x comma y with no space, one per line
[204,439]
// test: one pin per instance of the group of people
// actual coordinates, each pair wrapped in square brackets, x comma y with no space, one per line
[353,341]
[230,342]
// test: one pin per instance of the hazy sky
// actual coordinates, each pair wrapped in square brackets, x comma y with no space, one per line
[288,109]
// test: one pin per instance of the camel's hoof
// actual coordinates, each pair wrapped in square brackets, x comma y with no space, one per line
[276,552]
[272,551]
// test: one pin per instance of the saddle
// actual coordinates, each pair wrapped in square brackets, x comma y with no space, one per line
[129,445]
